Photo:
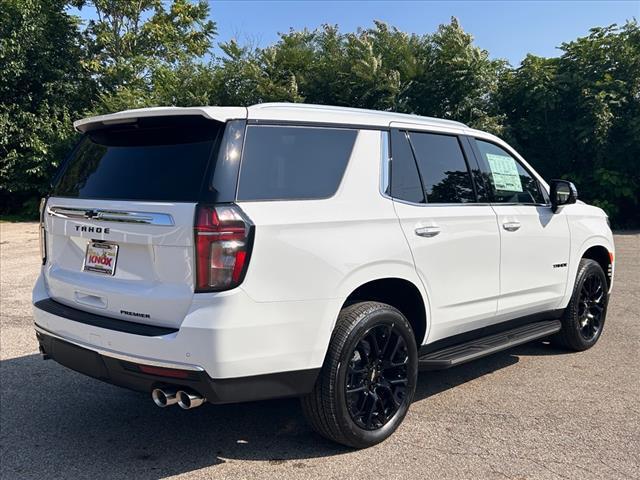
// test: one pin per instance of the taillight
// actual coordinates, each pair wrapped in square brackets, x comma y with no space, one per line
[43,233]
[223,237]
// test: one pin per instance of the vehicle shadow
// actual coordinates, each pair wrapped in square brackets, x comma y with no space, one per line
[58,423]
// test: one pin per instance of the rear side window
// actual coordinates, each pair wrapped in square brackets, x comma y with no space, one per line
[509,181]
[443,168]
[156,160]
[289,163]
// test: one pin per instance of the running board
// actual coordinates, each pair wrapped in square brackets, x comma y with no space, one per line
[480,347]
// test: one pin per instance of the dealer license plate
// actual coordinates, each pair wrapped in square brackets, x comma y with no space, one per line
[101,257]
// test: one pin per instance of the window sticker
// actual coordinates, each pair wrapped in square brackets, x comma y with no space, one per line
[504,172]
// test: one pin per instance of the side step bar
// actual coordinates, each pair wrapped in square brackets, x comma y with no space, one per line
[480,347]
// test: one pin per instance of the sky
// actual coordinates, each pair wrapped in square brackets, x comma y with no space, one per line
[507,29]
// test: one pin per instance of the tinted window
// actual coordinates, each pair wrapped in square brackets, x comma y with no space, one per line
[443,168]
[509,181]
[293,162]
[150,161]
[483,192]
[405,180]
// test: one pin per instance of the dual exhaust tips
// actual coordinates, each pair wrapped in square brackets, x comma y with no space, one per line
[186,399]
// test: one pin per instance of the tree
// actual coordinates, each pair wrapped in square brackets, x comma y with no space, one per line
[132,41]
[530,99]
[455,79]
[578,117]
[599,79]
[42,87]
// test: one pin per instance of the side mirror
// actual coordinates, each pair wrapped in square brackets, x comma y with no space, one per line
[563,192]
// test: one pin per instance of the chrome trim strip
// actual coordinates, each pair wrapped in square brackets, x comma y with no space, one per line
[435,205]
[121,356]
[145,218]
[385,163]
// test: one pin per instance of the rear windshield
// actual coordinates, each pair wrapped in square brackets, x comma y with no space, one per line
[155,159]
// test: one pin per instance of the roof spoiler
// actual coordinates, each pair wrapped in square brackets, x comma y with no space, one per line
[219,114]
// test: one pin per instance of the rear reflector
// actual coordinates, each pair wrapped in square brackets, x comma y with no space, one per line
[223,245]
[42,232]
[164,372]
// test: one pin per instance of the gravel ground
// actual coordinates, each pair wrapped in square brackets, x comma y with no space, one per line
[532,412]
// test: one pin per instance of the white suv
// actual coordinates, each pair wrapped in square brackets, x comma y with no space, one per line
[226,254]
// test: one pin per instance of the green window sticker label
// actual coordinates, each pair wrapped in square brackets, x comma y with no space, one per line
[504,172]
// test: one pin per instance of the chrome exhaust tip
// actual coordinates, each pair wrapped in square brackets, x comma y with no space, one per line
[189,399]
[164,397]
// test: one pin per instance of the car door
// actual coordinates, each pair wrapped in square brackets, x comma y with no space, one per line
[535,242]
[454,239]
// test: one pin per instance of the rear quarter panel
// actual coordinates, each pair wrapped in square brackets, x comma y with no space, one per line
[324,249]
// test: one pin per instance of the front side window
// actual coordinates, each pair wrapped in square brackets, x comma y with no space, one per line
[443,168]
[508,180]
[293,163]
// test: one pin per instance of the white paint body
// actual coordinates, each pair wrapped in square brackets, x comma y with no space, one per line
[308,256]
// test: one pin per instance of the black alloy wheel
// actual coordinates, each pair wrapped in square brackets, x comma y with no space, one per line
[583,319]
[591,305]
[376,380]
[368,378]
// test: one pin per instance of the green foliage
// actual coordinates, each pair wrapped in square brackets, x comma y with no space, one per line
[576,116]
[456,80]
[131,43]
[134,54]
[41,89]
[129,39]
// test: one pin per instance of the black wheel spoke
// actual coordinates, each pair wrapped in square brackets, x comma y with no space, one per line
[584,293]
[388,335]
[399,381]
[374,399]
[396,346]
[361,388]
[387,386]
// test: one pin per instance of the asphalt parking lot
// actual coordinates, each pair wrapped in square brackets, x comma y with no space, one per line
[533,412]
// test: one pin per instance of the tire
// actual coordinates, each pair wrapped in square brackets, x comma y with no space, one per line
[363,393]
[583,319]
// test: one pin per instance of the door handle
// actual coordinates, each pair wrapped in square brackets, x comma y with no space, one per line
[430,231]
[511,226]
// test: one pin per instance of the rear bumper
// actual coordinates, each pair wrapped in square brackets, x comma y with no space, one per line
[237,349]
[228,335]
[125,371]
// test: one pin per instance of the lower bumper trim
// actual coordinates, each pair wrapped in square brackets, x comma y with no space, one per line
[54,308]
[217,391]
[113,354]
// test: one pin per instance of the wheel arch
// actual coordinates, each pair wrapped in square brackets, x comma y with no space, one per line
[600,254]
[598,247]
[400,293]
[594,248]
